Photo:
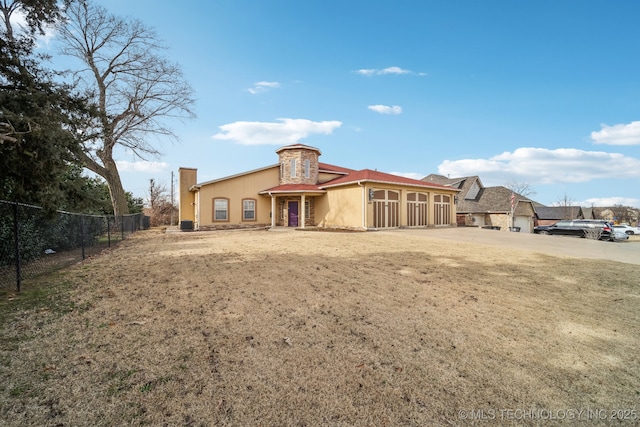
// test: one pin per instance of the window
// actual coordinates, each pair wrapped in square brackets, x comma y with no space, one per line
[221,209]
[282,170]
[307,208]
[293,168]
[306,168]
[473,192]
[248,210]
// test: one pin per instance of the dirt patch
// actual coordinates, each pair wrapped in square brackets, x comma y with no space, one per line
[292,328]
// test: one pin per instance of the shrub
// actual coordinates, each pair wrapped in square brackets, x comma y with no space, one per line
[594,233]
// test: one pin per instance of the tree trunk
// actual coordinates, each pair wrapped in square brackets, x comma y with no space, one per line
[116,190]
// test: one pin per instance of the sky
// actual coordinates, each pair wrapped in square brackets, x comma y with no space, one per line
[545,93]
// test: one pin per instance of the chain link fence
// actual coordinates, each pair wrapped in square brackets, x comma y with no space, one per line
[34,242]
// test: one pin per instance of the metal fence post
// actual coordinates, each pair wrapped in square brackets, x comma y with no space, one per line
[108,231]
[30,235]
[16,235]
[82,235]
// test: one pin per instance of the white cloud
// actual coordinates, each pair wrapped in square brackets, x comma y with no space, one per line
[19,24]
[610,201]
[394,70]
[259,87]
[383,71]
[619,134]
[541,165]
[385,109]
[142,166]
[282,132]
[412,175]
[367,72]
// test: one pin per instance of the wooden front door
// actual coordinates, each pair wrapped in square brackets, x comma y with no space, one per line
[293,214]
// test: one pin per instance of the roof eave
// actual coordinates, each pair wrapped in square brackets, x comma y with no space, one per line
[268,192]
[213,181]
[358,181]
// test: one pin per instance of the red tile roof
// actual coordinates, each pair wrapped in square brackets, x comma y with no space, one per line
[294,188]
[352,177]
[368,175]
[326,167]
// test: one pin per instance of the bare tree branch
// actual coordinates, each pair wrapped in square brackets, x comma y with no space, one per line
[135,88]
[521,188]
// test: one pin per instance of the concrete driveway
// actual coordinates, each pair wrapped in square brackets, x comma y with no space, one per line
[626,251]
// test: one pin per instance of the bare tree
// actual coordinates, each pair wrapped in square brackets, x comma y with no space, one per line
[521,188]
[622,214]
[160,206]
[157,194]
[133,88]
[569,211]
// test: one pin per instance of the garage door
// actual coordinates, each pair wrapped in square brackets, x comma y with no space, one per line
[442,209]
[417,209]
[524,222]
[386,207]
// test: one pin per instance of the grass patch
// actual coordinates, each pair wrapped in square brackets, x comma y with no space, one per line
[120,381]
[20,390]
[47,294]
[265,328]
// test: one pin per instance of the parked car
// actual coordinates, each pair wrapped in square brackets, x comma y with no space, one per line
[618,236]
[627,229]
[577,228]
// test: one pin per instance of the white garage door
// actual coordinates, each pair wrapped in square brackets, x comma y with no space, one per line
[524,222]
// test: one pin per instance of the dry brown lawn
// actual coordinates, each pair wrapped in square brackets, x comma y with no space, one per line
[308,328]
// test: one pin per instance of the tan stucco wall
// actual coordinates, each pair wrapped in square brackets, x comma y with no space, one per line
[236,189]
[343,206]
[340,207]
[186,178]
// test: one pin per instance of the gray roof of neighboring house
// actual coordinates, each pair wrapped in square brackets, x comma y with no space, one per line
[558,212]
[488,199]
[494,199]
[441,179]
[588,213]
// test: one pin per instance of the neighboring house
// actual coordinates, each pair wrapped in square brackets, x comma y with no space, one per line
[477,205]
[618,214]
[589,213]
[549,215]
[300,191]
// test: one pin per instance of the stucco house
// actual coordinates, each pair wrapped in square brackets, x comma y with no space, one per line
[480,206]
[300,191]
